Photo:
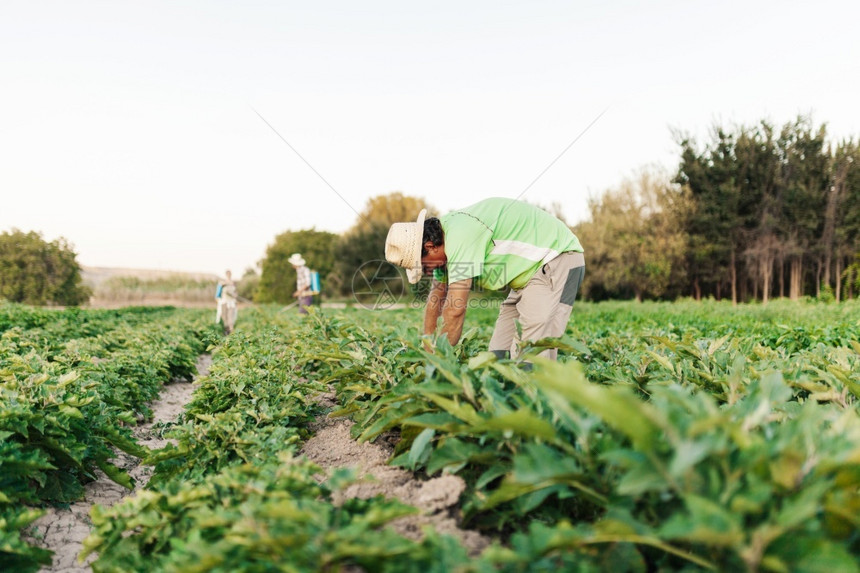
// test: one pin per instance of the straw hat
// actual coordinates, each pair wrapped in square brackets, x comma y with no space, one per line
[296,260]
[403,246]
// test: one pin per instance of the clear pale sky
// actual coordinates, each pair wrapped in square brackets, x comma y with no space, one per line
[131,128]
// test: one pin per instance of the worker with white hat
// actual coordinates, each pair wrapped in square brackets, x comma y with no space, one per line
[494,244]
[303,282]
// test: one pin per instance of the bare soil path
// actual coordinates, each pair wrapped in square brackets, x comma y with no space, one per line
[332,447]
[64,530]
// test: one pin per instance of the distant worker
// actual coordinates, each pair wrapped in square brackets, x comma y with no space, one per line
[226,310]
[495,243]
[303,282]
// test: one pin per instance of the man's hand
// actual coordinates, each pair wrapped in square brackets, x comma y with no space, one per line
[449,302]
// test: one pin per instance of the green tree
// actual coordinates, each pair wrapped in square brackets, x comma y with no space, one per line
[758,237]
[34,271]
[841,235]
[635,243]
[364,243]
[278,277]
[768,206]
[712,225]
[249,283]
[802,188]
[851,276]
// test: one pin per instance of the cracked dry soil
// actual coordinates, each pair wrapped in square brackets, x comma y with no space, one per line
[332,447]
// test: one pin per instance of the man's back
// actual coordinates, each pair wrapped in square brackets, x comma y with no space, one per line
[501,242]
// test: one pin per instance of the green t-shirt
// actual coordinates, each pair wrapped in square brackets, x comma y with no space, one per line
[501,242]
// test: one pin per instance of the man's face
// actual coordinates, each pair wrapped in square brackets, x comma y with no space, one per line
[434,258]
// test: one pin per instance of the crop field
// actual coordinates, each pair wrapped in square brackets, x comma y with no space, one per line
[668,437]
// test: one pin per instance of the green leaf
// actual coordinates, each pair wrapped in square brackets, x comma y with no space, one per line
[493,473]
[442,421]
[617,406]
[716,344]
[511,372]
[640,479]
[71,412]
[454,453]
[463,412]
[623,557]
[687,454]
[531,500]
[117,475]
[540,463]
[421,447]
[664,362]
[807,554]
[390,418]
[481,359]
[707,522]
[521,422]
[67,379]
[803,506]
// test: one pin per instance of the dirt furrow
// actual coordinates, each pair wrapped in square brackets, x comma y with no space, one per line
[64,530]
[332,447]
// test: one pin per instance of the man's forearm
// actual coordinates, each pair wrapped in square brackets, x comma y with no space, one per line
[433,309]
[431,317]
[454,310]
[452,323]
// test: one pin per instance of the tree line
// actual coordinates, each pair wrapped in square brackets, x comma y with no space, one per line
[775,212]
[750,213]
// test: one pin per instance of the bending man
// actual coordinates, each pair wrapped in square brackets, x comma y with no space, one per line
[493,244]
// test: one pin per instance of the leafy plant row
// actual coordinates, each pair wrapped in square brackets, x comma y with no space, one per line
[575,475]
[50,329]
[691,452]
[692,441]
[65,403]
[231,495]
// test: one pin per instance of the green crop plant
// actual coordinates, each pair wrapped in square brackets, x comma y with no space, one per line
[271,516]
[671,437]
[71,384]
[677,429]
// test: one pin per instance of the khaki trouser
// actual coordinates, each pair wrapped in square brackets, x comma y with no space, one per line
[542,307]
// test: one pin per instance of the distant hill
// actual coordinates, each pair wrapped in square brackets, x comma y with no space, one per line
[95,276]
[115,287]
